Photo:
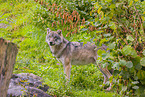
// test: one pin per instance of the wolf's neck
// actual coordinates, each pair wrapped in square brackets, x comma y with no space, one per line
[58,49]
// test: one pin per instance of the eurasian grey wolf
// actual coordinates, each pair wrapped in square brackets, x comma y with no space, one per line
[74,53]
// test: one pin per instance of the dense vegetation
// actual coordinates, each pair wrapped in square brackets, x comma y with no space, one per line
[119,24]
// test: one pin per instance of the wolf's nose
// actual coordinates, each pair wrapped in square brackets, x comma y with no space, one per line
[51,43]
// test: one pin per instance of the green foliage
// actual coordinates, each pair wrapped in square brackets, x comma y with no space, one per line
[23,24]
[129,51]
[119,24]
[124,21]
[142,61]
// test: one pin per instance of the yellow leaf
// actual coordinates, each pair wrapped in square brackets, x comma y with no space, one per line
[91,23]
[140,40]
[99,10]
[143,17]
[90,13]
[81,27]
[109,1]
[130,4]
[102,14]
[135,0]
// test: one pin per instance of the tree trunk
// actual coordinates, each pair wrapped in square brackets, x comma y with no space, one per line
[8,52]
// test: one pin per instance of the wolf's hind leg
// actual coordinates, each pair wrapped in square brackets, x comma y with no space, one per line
[106,71]
[106,75]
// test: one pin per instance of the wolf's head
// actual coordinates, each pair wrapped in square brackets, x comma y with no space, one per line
[54,38]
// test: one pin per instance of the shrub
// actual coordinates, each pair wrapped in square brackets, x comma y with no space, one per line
[119,24]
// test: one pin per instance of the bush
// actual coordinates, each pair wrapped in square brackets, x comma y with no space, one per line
[119,24]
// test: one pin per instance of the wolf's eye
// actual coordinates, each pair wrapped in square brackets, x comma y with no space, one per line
[48,36]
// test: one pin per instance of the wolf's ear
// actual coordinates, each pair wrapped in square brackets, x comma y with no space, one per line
[48,30]
[59,32]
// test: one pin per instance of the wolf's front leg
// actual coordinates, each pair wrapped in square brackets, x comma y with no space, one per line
[67,68]
[67,71]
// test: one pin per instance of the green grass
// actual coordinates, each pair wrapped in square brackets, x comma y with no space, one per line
[34,54]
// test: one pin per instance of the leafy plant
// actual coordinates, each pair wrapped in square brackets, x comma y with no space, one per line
[22,24]
[118,24]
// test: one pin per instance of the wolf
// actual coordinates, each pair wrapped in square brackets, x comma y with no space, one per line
[74,53]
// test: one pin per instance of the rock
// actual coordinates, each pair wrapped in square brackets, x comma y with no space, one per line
[2,25]
[27,84]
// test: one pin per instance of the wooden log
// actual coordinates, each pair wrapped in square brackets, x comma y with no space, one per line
[8,52]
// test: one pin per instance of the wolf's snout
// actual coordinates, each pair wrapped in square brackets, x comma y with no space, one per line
[51,43]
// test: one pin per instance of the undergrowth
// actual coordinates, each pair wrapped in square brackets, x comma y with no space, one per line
[34,56]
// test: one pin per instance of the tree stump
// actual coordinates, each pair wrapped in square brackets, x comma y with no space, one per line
[8,52]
